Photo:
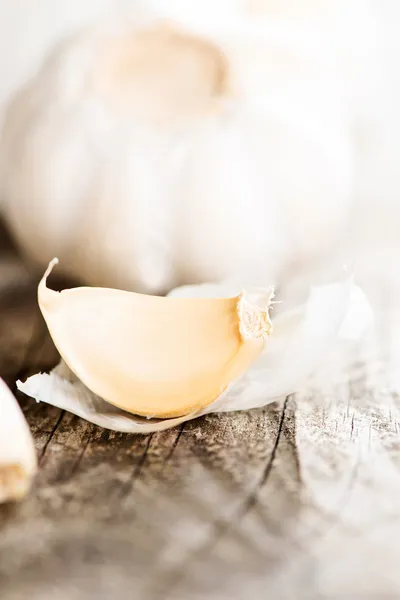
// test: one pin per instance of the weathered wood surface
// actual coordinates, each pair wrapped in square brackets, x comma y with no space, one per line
[297,500]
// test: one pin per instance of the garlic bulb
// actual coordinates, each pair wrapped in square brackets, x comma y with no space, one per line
[148,155]
[286,353]
[17,450]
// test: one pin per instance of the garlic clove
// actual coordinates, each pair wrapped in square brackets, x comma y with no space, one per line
[154,356]
[17,451]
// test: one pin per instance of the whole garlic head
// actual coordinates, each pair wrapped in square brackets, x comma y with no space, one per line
[154,154]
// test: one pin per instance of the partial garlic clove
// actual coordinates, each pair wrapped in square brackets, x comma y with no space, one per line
[154,356]
[17,451]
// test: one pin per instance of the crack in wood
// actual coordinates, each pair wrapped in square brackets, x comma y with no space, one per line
[172,579]
[43,453]
[176,442]
[76,465]
[128,486]
[252,498]
[142,460]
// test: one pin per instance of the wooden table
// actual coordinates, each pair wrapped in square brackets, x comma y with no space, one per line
[297,500]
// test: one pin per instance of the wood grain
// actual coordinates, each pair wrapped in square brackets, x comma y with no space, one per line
[296,500]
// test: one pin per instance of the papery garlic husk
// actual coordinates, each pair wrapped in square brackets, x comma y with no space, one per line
[298,343]
[63,389]
[18,462]
[155,356]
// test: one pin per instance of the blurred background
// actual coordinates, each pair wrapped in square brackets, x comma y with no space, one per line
[154,143]
[150,144]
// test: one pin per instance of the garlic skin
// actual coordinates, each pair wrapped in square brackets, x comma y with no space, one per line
[138,180]
[62,388]
[18,462]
